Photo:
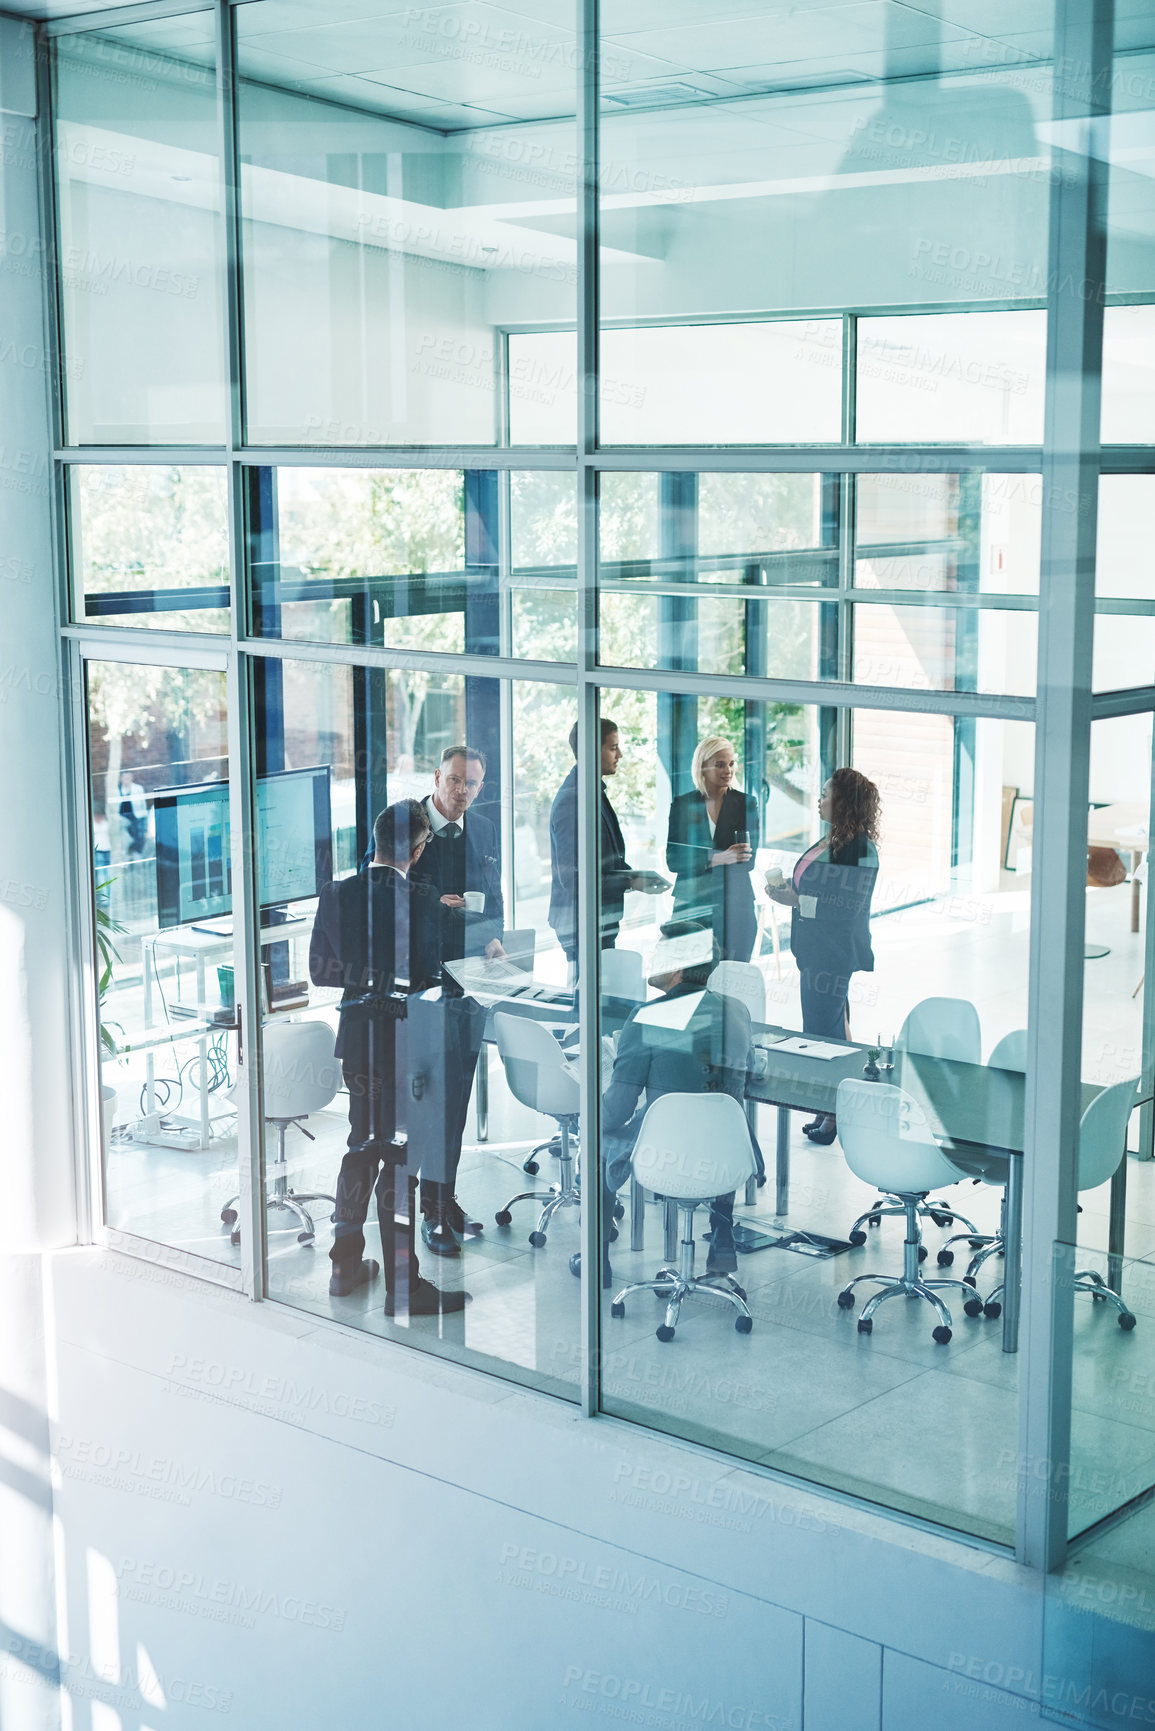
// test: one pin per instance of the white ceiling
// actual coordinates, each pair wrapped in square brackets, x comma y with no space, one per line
[482,63]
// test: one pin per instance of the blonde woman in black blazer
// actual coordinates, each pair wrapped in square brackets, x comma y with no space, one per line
[713,890]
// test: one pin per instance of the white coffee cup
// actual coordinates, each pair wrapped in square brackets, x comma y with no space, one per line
[773,877]
[474,901]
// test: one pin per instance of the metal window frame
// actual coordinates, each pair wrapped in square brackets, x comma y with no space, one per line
[1063,709]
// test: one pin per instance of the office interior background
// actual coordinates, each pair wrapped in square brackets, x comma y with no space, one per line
[377,379]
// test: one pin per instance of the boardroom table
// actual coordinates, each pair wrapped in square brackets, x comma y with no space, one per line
[977,1114]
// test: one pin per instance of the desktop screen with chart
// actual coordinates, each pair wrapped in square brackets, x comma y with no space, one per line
[193,864]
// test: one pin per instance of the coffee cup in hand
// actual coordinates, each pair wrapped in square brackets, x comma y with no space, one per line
[773,877]
[474,901]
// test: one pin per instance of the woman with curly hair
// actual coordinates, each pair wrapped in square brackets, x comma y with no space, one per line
[830,896]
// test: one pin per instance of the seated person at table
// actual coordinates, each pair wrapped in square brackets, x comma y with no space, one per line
[712,1054]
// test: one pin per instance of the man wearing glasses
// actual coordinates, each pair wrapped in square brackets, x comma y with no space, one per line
[460,864]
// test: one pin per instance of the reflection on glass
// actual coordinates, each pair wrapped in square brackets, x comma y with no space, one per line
[165,964]
[966,378]
[1124,584]
[398,210]
[150,546]
[138,191]
[543,557]
[427,923]
[779,160]
[878,901]
[1128,374]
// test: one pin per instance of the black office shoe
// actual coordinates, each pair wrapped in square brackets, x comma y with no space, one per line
[345,1280]
[458,1222]
[438,1236]
[425,1299]
[824,1136]
[723,1257]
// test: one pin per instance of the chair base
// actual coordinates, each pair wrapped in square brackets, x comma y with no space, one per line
[281,1196]
[1094,1284]
[940,1212]
[909,1284]
[677,1284]
[566,1193]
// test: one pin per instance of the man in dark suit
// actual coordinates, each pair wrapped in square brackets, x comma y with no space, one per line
[376,934]
[460,870]
[618,875]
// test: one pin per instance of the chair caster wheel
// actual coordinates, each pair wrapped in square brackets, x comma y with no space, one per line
[743,1324]
[504,1217]
[575,1264]
[945,1258]
[537,1239]
[857,1237]
[941,1335]
[228,1215]
[973,1307]
[874,1220]
[993,1310]
[742,1293]
[532,1167]
[975,1243]
[865,1325]
[846,1299]
[234,1238]
[617,1308]
[943,1219]
[304,1238]
[612,1234]
[665,1333]
[619,1210]
[969,1280]
[922,1253]
[1126,1321]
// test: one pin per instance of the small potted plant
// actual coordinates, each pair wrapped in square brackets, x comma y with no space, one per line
[870,1070]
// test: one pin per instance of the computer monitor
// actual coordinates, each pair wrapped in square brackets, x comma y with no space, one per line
[294,845]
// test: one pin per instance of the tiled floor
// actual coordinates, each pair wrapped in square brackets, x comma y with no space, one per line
[893,1417]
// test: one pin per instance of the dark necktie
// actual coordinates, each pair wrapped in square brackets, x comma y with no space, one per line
[452,832]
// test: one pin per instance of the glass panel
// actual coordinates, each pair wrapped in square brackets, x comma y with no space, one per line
[395,556]
[408,191]
[974,378]
[158,761]
[138,190]
[767,163]
[1125,583]
[338,746]
[976,532]
[893,1414]
[946,649]
[1128,416]
[543,544]
[716,573]
[150,546]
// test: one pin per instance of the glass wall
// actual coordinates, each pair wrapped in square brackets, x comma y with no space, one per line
[827,236]
[161,863]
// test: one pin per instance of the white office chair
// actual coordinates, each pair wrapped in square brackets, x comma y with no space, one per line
[1010,1053]
[690,1149]
[940,1028]
[623,975]
[538,1076]
[300,1075]
[1102,1145]
[887,1140]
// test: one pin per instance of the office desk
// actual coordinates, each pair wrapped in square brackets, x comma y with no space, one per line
[976,1112]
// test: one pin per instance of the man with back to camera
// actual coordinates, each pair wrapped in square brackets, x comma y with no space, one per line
[402,918]
[618,875]
[460,869]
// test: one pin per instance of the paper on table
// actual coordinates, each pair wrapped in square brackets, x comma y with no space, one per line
[493,981]
[811,1049]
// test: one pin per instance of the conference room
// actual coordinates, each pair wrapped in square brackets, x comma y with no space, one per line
[925,990]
